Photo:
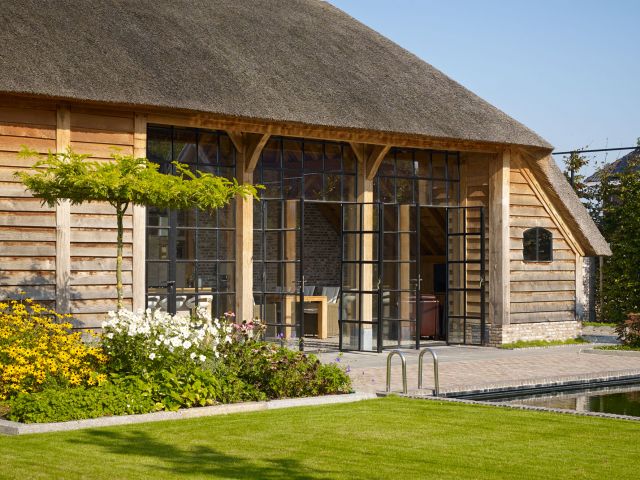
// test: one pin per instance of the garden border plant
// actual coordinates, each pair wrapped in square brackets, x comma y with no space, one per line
[151,360]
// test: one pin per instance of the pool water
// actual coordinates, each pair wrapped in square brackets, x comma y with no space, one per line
[618,400]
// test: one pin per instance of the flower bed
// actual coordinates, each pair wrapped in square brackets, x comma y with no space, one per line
[145,362]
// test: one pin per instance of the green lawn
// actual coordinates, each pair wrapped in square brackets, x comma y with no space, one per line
[386,438]
[542,343]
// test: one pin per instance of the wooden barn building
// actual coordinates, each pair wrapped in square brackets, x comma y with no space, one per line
[398,206]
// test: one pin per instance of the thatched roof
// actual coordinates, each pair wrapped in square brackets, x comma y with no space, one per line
[301,61]
[615,167]
[287,60]
[564,198]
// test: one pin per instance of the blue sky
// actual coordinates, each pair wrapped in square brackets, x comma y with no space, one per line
[569,70]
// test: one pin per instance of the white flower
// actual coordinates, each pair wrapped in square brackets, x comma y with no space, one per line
[152,356]
[193,355]
[202,358]
[187,344]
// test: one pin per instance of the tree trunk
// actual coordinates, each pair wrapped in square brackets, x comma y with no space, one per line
[120,216]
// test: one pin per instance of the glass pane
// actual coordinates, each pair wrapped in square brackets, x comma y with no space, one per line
[226,245]
[186,218]
[313,157]
[313,186]
[157,244]
[271,181]
[227,216]
[350,333]
[207,245]
[157,275]
[292,154]
[291,184]
[349,188]
[159,144]
[333,187]
[157,217]
[157,302]
[404,190]
[273,215]
[384,189]
[227,152]
[184,145]
[529,252]
[387,166]
[544,245]
[226,277]
[404,163]
[349,162]
[438,165]
[207,273]
[273,245]
[186,244]
[185,275]
[271,154]
[207,149]
[333,157]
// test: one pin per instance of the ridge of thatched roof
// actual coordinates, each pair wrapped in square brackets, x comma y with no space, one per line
[285,60]
[616,166]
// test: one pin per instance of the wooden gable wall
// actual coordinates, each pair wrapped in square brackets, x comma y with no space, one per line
[540,291]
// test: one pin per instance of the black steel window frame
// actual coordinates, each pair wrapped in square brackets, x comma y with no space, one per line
[403,165]
[288,179]
[537,245]
[464,289]
[222,285]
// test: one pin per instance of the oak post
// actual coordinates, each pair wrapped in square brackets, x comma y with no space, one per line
[63,220]
[499,239]
[139,221]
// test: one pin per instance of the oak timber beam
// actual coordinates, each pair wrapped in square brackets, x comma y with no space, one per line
[250,145]
[370,157]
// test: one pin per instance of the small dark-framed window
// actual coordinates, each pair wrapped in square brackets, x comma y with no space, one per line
[537,245]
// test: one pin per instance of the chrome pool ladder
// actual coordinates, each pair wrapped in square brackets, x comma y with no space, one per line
[436,377]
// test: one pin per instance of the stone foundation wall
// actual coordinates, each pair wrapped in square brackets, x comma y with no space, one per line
[501,334]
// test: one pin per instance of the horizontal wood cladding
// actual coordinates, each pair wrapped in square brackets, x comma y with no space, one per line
[540,291]
[28,229]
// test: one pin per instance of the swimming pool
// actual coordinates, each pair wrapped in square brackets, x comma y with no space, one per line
[620,400]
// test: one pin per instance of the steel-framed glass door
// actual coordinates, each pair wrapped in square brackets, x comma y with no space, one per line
[465,299]
[359,283]
[278,281]
[399,273]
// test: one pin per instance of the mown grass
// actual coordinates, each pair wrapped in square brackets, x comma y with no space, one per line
[385,438]
[599,324]
[542,343]
[619,347]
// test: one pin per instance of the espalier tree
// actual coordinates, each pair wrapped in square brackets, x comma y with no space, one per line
[124,182]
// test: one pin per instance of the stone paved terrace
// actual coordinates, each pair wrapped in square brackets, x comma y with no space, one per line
[464,368]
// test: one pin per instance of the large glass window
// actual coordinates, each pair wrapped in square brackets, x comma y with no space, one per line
[191,253]
[320,172]
[424,177]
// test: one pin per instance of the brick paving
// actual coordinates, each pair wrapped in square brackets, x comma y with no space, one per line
[471,368]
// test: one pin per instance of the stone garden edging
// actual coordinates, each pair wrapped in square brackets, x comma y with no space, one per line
[15,428]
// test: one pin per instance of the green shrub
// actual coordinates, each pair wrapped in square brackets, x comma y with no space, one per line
[281,373]
[64,404]
[629,330]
